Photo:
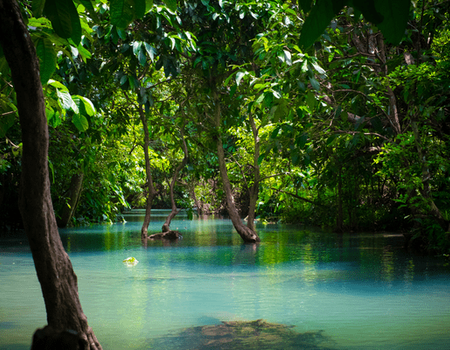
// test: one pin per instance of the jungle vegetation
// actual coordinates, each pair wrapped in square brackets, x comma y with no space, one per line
[332,113]
[345,126]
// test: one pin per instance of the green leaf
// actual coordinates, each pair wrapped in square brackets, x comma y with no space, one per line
[171,4]
[123,79]
[331,139]
[261,158]
[368,9]
[287,55]
[47,59]
[150,50]
[281,111]
[65,101]
[80,122]
[301,141]
[396,14]
[318,68]
[305,5]
[136,47]
[58,85]
[260,99]
[122,12]
[239,77]
[311,101]
[319,18]
[142,58]
[148,5]
[88,5]
[315,84]
[139,8]
[84,105]
[64,17]
[38,8]
[275,132]
[131,261]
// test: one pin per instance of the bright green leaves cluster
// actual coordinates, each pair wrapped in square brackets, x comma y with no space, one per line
[390,16]
[79,107]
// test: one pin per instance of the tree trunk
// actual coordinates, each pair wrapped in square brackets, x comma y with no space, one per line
[174,212]
[53,267]
[248,235]
[74,195]
[254,189]
[148,172]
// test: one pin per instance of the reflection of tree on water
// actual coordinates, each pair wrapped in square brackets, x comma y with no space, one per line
[247,335]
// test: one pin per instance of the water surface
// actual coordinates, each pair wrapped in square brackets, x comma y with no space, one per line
[364,291]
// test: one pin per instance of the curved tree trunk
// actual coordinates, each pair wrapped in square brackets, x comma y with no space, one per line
[148,172]
[247,234]
[53,267]
[174,212]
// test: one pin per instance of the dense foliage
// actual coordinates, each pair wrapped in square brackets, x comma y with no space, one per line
[348,130]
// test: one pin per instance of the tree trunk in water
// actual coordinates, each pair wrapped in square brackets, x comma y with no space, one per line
[248,235]
[53,267]
[254,189]
[174,212]
[148,172]
[74,194]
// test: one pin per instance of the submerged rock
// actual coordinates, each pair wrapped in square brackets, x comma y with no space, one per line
[248,335]
[170,235]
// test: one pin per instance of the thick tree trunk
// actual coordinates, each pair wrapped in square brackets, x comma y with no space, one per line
[174,212]
[248,235]
[53,267]
[74,195]
[148,172]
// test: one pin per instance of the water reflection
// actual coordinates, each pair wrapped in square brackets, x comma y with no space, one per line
[363,290]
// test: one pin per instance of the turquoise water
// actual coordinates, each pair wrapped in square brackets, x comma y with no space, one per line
[363,291]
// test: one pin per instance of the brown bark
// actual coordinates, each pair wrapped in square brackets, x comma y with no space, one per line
[74,195]
[174,212]
[148,172]
[247,234]
[53,267]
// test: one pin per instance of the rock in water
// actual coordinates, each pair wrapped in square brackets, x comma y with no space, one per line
[247,335]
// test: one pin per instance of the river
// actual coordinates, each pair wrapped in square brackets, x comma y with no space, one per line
[360,290]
